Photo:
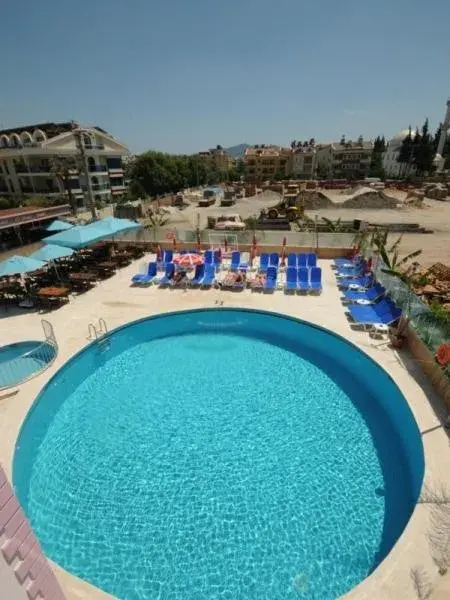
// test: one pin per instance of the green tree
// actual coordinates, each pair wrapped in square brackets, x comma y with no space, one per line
[156,219]
[424,150]
[406,154]
[376,162]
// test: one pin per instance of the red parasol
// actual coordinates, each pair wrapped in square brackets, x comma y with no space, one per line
[283,253]
[158,254]
[253,250]
[199,242]
[174,242]
[188,260]
[225,244]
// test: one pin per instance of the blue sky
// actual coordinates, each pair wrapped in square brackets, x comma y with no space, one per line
[182,76]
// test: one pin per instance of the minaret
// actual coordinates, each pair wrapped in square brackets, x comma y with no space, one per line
[438,159]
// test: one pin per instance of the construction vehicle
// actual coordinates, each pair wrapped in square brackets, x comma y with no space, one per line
[290,207]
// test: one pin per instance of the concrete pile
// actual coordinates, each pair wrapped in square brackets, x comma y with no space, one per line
[437,191]
[414,199]
[433,284]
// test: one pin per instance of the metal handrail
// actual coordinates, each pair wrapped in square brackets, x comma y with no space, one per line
[41,349]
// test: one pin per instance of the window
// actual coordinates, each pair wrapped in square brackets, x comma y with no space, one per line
[114,163]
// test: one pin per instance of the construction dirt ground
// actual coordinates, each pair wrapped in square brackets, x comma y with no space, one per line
[432,214]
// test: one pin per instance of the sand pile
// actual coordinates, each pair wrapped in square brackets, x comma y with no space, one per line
[371,199]
[316,200]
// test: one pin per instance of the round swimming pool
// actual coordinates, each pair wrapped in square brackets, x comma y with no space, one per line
[20,361]
[220,454]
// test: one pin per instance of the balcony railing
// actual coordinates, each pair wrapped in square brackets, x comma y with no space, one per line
[40,168]
[97,187]
[94,146]
[98,168]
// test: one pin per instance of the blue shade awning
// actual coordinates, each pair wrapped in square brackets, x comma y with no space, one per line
[51,252]
[58,225]
[112,225]
[77,237]
[20,264]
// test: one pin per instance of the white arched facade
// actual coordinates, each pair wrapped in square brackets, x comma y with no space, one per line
[15,141]
[26,138]
[39,135]
[391,166]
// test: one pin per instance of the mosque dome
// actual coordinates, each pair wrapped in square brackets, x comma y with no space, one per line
[401,135]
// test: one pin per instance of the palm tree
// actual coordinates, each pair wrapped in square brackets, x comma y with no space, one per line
[156,219]
[335,226]
[62,168]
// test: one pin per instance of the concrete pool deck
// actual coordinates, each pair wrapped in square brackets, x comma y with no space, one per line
[118,303]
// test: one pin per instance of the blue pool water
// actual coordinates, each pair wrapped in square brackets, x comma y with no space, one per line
[220,454]
[22,360]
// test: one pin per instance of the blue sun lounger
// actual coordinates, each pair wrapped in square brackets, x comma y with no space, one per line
[235,260]
[208,257]
[364,281]
[349,273]
[292,260]
[145,277]
[198,275]
[315,279]
[209,276]
[167,257]
[274,259]
[384,313]
[302,260]
[291,278]
[311,259]
[271,278]
[169,271]
[217,259]
[372,294]
[303,279]
[263,262]
[354,262]
[236,264]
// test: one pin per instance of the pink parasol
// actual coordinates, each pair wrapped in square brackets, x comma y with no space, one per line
[174,242]
[188,260]
[158,254]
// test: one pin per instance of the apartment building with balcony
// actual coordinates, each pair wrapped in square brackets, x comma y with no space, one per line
[27,153]
[345,160]
[218,159]
[267,161]
[304,160]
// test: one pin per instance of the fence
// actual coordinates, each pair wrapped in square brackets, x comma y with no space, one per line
[26,365]
[307,239]
[431,330]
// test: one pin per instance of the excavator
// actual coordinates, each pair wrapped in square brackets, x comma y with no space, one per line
[291,207]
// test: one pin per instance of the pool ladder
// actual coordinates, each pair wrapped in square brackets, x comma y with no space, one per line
[100,334]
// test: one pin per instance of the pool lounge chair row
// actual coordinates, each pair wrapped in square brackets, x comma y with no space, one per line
[304,279]
[302,260]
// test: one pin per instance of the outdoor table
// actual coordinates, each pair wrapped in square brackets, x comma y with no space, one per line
[83,276]
[107,264]
[53,292]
